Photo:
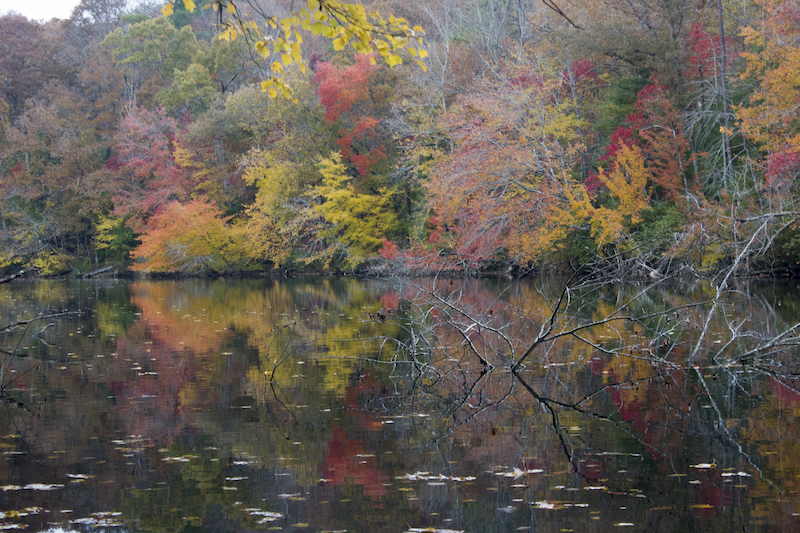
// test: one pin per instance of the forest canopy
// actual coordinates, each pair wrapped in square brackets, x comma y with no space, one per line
[639,137]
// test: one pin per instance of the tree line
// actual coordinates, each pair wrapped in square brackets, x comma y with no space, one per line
[639,138]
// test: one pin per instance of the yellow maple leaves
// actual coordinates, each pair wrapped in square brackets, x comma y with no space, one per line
[344,24]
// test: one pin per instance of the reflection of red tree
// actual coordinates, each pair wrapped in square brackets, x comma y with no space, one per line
[713,492]
[786,397]
[152,399]
[345,463]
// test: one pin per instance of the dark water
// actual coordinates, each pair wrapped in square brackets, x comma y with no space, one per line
[347,405]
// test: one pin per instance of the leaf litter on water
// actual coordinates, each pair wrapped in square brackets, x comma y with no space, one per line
[427,476]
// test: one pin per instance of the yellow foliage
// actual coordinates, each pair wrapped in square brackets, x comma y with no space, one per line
[48,263]
[627,183]
[275,180]
[355,223]
[771,117]
[569,209]
[263,235]
[340,22]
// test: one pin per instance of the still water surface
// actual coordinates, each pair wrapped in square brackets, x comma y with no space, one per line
[255,405]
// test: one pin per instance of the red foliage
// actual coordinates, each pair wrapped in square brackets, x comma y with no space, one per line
[581,73]
[346,97]
[144,156]
[655,127]
[783,167]
[341,89]
[704,52]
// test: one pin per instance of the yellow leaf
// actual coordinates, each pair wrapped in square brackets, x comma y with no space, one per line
[262,49]
[189,5]
[317,28]
[393,59]
[338,44]
[277,67]
[231,8]
[287,59]
[168,9]
[423,53]
[273,93]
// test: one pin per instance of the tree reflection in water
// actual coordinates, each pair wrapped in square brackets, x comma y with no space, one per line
[374,405]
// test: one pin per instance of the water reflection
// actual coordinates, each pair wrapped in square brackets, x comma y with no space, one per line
[347,405]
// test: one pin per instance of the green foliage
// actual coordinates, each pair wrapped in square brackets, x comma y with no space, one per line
[618,102]
[191,91]
[785,251]
[658,227]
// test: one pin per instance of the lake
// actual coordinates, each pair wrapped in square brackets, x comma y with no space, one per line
[391,406]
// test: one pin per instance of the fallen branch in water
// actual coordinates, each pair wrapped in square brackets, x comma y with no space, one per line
[10,327]
[12,276]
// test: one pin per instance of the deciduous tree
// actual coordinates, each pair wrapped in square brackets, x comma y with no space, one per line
[191,238]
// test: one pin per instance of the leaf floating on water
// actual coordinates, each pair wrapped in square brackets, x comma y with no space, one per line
[19,514]
[732,474]
[6,488]
[702,506]
[426,476]
[176,459]
[596,487]
[267,516]
[101,519]
[518,473]
[43,486]
[624,524]
[433,530]
[704,466]
[13,526]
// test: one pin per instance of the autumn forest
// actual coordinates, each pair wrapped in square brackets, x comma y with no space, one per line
[643,138]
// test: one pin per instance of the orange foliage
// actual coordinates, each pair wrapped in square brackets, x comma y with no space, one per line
[191,238]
